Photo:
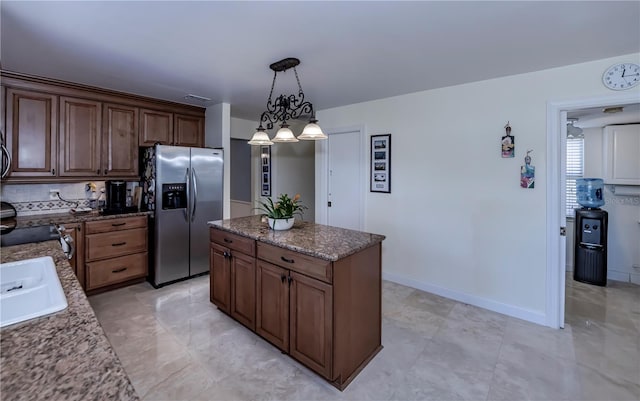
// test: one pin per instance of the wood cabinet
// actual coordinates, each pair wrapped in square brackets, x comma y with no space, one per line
[119,141]
[233,278]
[155,127]
[60,131]
[621,154]
[325,314]
[170,129]
[77,260]
[80,137]
[115,251]
[189,130]
[31,137]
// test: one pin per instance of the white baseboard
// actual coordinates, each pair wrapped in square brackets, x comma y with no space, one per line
[505,309]
[618,275]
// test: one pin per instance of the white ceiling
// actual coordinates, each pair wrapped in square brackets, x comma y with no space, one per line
[350,51]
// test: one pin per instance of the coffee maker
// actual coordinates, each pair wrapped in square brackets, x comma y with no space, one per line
[116,197]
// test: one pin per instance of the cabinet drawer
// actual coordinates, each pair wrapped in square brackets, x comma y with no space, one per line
[233,241]
[313,267]
[118,243]
[111,271]
[125,223]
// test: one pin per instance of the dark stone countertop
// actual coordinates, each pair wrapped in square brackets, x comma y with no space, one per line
[61,218]
[64,355]
[324,242]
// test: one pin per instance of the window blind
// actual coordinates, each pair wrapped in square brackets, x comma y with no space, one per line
[575,170]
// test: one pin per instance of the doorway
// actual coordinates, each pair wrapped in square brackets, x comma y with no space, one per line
[556,195]
[340,164]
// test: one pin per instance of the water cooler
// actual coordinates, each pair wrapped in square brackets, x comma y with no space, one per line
[590,254]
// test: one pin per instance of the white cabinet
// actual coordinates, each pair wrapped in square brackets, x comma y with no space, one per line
[621,154]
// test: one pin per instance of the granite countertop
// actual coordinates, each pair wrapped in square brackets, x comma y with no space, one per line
[325,242]
[61,218]
[65,355]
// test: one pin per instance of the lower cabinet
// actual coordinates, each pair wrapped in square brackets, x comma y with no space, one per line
[115,252]
[326,315]
[233,281]
[294,313]
[77,259]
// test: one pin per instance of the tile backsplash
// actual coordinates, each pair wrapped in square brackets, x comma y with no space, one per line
[31,199]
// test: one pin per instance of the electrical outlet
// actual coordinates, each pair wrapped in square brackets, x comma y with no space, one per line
[53,193]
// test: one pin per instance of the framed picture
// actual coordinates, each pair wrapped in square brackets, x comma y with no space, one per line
[265,157]
[380,174]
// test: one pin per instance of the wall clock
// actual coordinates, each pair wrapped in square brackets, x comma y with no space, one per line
[621,76]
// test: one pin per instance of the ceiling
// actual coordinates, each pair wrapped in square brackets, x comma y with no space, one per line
[350,52]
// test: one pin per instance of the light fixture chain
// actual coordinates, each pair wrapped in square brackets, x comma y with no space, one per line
[273,84]
[297,79]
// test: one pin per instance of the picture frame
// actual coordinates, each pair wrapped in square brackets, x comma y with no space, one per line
[265,166]
[380,164]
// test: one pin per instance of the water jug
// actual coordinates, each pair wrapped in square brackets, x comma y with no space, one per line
[589,192]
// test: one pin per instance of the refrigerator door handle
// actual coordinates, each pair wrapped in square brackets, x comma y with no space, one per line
[195,193]
[186,181]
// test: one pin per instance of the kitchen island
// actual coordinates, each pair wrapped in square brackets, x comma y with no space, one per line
[313,291]
[65,355]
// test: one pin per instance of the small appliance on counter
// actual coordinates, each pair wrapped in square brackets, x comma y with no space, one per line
[590,253]
[116,202]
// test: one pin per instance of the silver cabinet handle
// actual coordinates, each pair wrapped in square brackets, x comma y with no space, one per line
[195,193]
[187,179]
[6,158]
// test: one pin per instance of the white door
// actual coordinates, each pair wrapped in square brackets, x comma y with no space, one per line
[344,181]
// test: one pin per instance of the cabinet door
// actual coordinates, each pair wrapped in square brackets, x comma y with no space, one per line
[243,289]
[220,277]
[77,260]
[621,154]
[120,141]
[31,137]
[272,304]
[189,130]
[311,326]
[80,134]
[155,126]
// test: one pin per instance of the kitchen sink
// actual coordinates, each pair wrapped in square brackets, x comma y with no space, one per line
[28,289]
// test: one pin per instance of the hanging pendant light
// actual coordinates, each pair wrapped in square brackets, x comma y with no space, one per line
[260,137]
[285,108]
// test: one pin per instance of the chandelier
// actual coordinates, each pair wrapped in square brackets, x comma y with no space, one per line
[286,107]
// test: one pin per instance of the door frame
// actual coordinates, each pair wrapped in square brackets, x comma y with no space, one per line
[322,181]
[556,171]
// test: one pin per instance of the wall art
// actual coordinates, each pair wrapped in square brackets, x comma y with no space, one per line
[508,143]
[265,166]
[380,163]
[527,172]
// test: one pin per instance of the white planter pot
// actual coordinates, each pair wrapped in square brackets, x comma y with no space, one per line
[281,224]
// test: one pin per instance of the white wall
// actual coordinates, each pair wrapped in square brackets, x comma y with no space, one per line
[457,222]
[217,134]
[292,164]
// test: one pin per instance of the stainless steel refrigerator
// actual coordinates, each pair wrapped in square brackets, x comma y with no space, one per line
[184,187]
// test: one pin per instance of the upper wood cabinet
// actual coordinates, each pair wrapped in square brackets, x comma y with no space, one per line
[80,137]
[189,130]
[31,137]
[119,140]
[155,127]
[60,131]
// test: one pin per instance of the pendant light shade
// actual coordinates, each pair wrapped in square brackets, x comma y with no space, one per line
[312,132]
[260,138]
[284,134]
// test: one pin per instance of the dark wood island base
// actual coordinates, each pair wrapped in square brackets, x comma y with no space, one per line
[313,291]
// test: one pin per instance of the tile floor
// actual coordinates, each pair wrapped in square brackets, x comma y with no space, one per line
[175,345]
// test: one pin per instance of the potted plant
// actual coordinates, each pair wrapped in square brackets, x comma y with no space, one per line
[281,213]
